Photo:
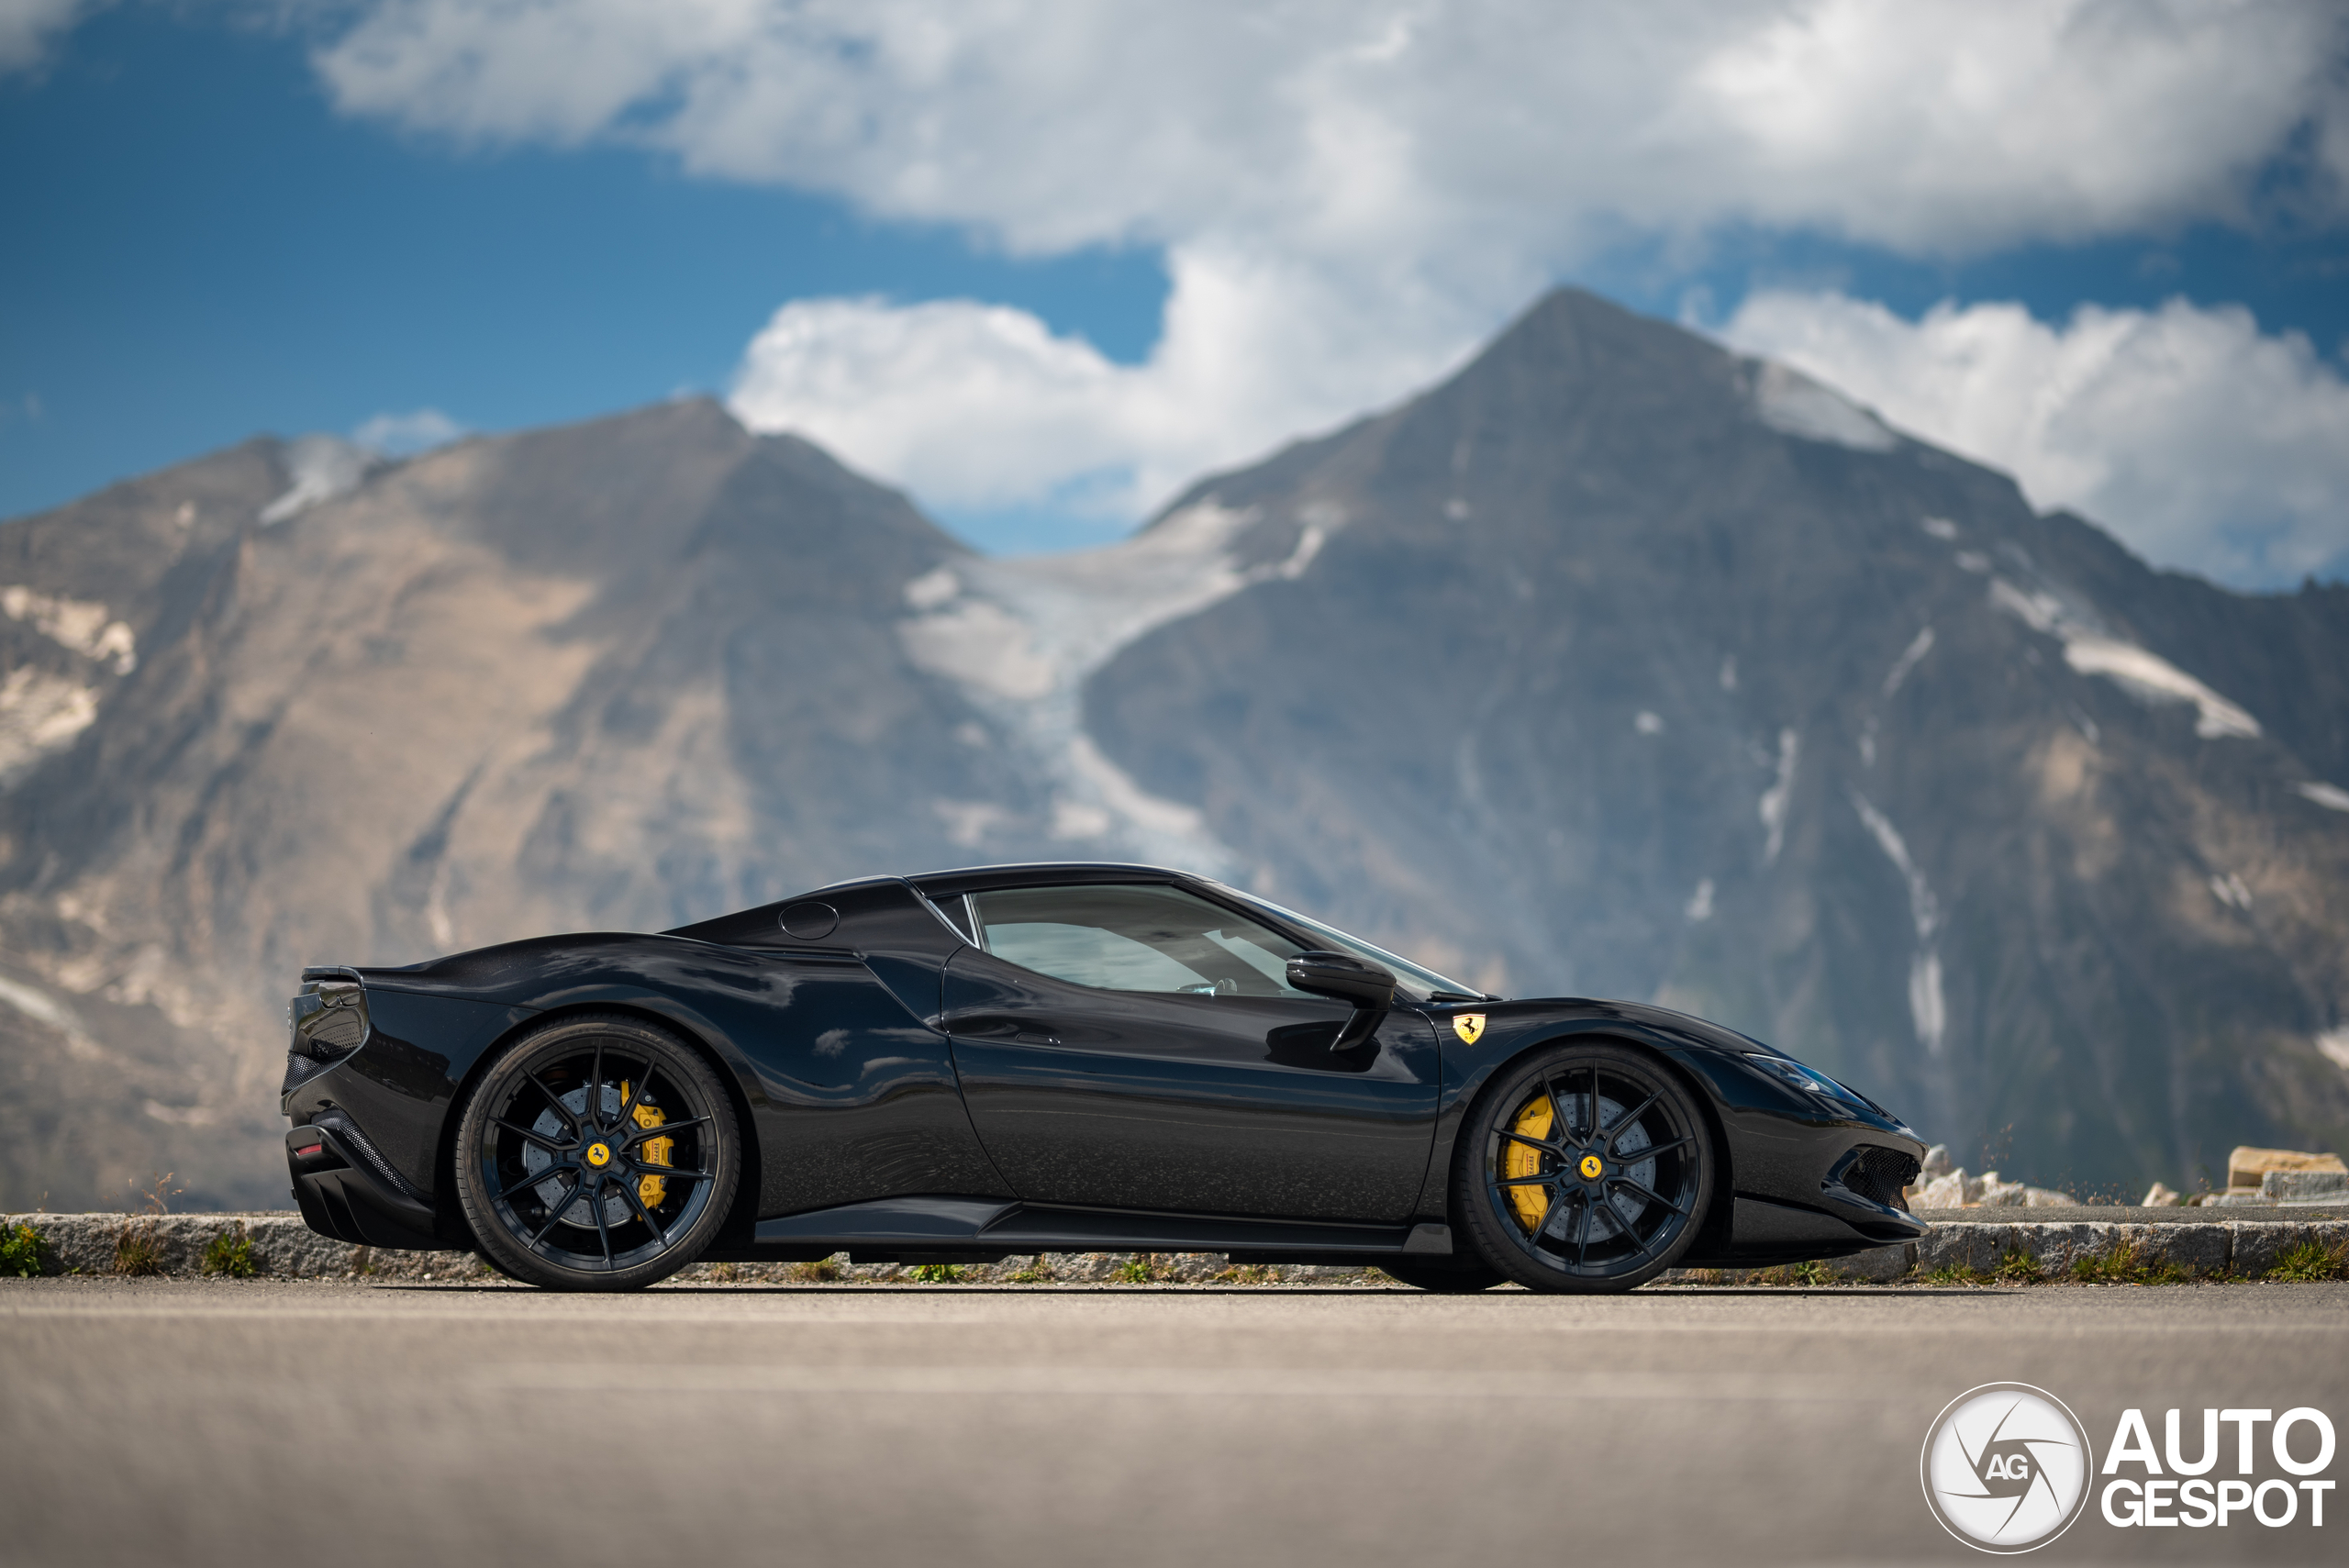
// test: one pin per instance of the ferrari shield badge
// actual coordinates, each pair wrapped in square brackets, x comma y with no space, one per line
[1469,1027]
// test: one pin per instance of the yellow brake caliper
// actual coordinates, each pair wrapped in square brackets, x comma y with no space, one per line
[1530,1203]
[651,1191]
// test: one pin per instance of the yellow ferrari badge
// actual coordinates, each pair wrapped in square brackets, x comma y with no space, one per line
[1469,1027]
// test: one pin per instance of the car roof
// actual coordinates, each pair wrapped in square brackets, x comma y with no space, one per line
[1042,873]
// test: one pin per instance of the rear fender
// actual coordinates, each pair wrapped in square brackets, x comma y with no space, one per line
[733,1071]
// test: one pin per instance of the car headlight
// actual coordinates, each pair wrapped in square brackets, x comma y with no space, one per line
[1787,1071]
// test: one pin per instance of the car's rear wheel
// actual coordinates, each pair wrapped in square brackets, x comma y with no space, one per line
[599,1152]
[1456,1272]
[1586,1167]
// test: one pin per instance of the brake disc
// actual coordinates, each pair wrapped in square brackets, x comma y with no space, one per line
[534,1159]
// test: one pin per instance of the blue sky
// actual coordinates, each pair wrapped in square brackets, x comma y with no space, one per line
[224,223]
[206,250]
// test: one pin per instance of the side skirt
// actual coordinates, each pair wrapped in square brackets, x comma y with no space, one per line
[947,1230]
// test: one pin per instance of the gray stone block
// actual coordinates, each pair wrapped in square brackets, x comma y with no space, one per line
[1880,1265]
[1968,1244]
[2057,1247]
[283,1246]
[2258,1244]
[2202,1249]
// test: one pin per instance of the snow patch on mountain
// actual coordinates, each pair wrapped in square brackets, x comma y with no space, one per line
[47,1010]
[321,468]
[2326,794]
[1021,636]
[2141,672]
[1793,404]
[1919,646]
[39,713]
[1928,1004]
[82,625]
[1772,807]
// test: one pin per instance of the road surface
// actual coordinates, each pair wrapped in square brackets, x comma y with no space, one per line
[313,1422]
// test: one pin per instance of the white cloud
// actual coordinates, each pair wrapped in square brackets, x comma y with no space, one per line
[1934,124]
[27,29]
[2201,441]
[973,405]
[1349,193]
[401,434]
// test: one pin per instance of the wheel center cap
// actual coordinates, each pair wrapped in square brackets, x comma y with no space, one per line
[1591,1166]
[599,1155]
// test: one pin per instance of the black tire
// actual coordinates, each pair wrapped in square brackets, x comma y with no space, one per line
[1457,1273]
[1538,1210]
[599,1152]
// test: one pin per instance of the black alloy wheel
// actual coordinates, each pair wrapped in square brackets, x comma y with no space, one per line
[599,1153]
[1584,1168]
[1461,1272]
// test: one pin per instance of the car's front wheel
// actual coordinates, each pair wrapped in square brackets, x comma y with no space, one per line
[1586,1167]
[599,1152]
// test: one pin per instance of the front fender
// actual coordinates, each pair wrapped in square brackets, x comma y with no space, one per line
[1778,1147]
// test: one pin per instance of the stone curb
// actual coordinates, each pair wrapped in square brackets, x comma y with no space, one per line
[284,1248]
[2244,1248]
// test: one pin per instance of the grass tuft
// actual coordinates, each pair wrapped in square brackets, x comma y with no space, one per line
[138,1249]
[231,1253]
[2127,1265]
[2019,1267]
[2312,1260]
[1037,1273]
[25,1252]
[936,1273]
[823,1270]
[1143,1268]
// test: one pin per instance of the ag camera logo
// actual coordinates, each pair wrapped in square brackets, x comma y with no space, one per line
[2006,1467]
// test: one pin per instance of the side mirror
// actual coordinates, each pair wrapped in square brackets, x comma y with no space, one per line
[1342,977]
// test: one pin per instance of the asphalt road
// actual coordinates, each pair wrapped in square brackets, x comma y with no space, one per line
[165,1422]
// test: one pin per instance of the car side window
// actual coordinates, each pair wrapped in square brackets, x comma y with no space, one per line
[1134,938]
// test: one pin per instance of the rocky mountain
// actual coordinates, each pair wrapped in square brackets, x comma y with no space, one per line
[1617,664]
[1627,666]
[273,707]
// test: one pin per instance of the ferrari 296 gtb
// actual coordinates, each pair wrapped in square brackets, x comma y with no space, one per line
[977,1064]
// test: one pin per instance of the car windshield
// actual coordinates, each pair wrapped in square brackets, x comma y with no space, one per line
[1415,981]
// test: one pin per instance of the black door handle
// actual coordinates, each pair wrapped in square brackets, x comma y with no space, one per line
[978,1023]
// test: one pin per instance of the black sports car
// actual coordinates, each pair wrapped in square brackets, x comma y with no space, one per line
[975,1064]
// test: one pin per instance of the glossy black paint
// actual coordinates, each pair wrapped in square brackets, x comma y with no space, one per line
[345,1193]
[891,1074]
[1776,1146]
[1206,1105]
